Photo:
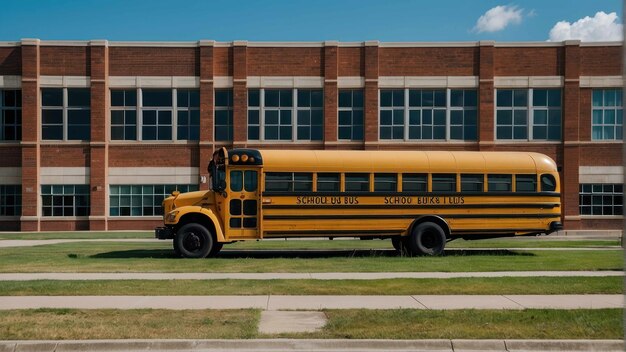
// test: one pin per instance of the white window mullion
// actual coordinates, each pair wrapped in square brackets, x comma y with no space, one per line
[406,115]
[294,117]
[531,115]
[448,107]
[262,115]
[174,115]
[65,117]
[139,114]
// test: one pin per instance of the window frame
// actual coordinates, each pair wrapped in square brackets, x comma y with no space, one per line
[10,190]
[407,108]
[65,108]
[229,112]
[618,109]
[351,109]
[156,206]
[530,109]
[602,195]
[17,115]
[294,108]
[86,197]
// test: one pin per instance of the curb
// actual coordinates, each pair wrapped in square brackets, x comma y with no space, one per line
[266,345]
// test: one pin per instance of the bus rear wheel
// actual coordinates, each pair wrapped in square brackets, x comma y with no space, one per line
[427,238]
[194,241]
[400,244]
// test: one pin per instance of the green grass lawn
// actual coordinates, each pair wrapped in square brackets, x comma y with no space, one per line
[72,324]
[471,324]
[159,257]
[64,324]
[456,286]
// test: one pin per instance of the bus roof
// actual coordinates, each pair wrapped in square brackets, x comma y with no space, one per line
[404,161]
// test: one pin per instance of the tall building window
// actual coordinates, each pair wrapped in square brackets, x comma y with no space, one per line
[350,122]
[10,200]
[188,103]
[156,114]
[463,114]
[66,114]
[392,114]
[606,120]
[428,114]
[528,114]
[271,114]
[65,200]
[141,200]
[601,199]
[124,114]
[224,115]
[310,115]
[10,115]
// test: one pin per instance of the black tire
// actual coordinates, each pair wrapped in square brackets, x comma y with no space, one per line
[176,248]
[217,247]
[194,241]
[400,245]
[428,239]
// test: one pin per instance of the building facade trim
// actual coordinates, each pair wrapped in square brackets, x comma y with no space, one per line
[153,175]
[428,82]
[601,174]
[11,82]
[529,81]
[10,175]
[65,175]
[601,81]
[65,81]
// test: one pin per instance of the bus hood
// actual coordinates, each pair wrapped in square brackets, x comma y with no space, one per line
[200,198]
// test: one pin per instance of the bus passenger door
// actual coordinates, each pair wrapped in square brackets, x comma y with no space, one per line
[243,203]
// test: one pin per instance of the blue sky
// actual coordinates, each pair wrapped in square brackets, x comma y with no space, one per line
[298,20]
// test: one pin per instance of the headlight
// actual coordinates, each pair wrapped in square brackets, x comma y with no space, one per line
[171,216]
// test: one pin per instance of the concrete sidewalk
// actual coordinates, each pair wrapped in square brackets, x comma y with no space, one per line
[301,276]
[301,345]
[282,302]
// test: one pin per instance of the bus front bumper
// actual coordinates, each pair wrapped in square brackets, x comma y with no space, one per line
[163,233]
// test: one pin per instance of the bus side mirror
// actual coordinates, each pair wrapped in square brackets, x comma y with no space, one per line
[222,185]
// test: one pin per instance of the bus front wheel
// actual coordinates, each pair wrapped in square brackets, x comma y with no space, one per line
[427,238]
[194,241]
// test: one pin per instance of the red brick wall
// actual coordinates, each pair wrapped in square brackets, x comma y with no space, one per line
[523,61]
[223,61]
[351,61]
[601,61]
[65,61]
[428,61]
[601,154]
[115,225]
[65,155]
[166,155]
[140,61]
[65,225]
[604,224]
[11,156]
[285,61]
[584,120]
[11,61]
[10,225]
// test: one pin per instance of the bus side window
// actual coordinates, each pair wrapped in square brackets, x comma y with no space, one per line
[357,183]
[302,182]
[278,181]
[414,182]
[385,182]
[548,183]
[499,183]
[525,183]
[444,182]
[472,182]
[327,182]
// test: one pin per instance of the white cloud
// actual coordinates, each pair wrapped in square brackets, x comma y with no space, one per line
[498,18]
[601,27]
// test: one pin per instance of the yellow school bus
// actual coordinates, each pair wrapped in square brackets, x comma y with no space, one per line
[418,199]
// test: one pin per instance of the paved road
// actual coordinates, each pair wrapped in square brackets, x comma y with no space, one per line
[292,276]
[280,302]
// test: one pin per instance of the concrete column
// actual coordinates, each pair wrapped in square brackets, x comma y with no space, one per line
[330,94]
[207,104]
[571,136]
[486,118]
[31,132]
[371,95]
[240,94]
